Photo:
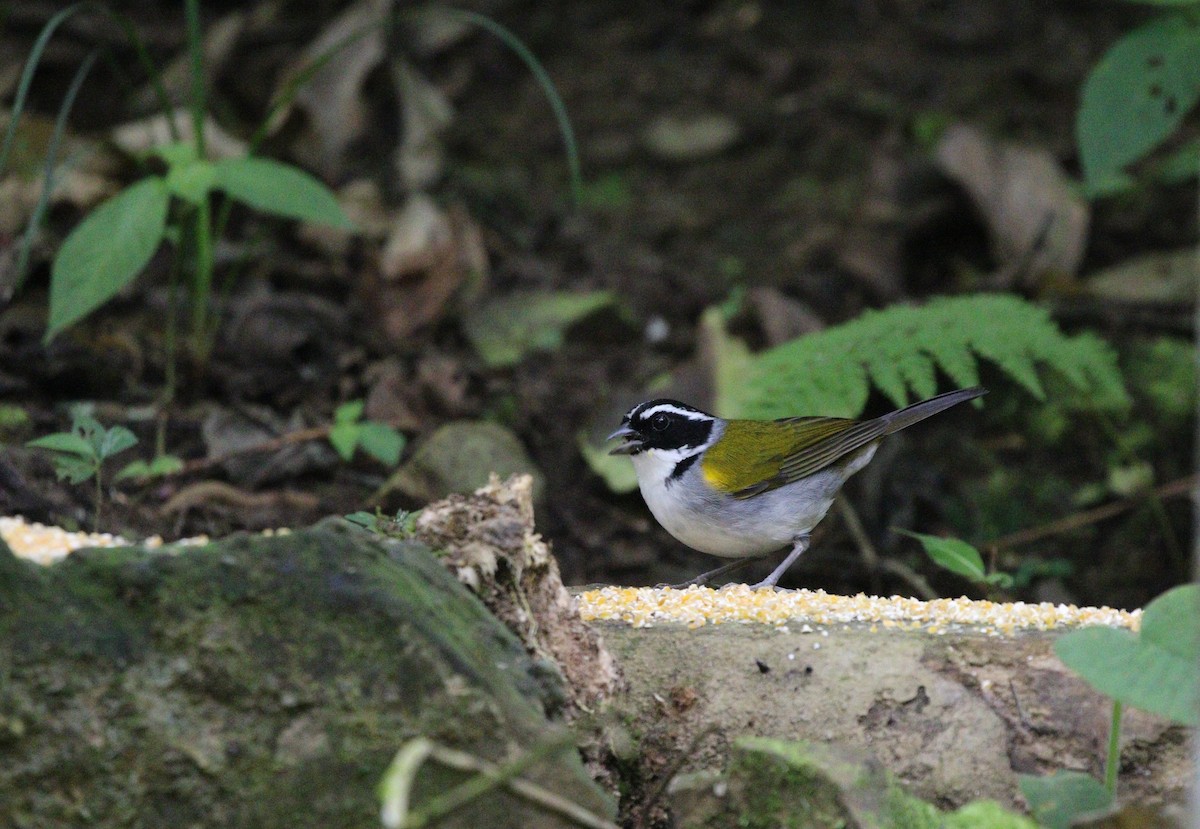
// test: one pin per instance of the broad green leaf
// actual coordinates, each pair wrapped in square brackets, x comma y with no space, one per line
[68,442]
[1136,96]
[177,153]
[137,469]
[728,356]
[952,554]
[344,437]
[117,439]
[349,411]
[74,469]
[1002,580]
[166,465]
[1158,669]
[830,372]
[105,252]
[1181,165]
[156,468]
[1058,799]
[504,330]
[381,442]
[282,189]
[191,181]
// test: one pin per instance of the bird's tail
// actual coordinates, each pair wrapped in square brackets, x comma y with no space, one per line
[903,418]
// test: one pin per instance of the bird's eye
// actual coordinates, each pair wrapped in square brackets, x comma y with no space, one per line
[659,422]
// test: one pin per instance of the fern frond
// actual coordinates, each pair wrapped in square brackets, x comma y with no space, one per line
[900,349]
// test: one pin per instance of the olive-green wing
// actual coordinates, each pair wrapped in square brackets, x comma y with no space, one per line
[805,446]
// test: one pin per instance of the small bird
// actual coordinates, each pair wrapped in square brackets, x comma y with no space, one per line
[744,488]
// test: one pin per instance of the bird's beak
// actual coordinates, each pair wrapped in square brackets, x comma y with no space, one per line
[631,444]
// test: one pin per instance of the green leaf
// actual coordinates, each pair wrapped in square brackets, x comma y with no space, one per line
[105,252]
[952,554]
[1136,96]
[158,467]
[75,470]
[1002,580]
[504,330]
[830,372]
[282,189]
[117,439]
[381,442]
[1181,165]
[177,153]
[349,411]
[68,442]
[728,356]
[166,465]
[191,181]
[1158,669]
[1057,800]
[137,469]
[344,437]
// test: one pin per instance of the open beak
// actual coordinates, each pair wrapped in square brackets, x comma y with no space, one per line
[631,445]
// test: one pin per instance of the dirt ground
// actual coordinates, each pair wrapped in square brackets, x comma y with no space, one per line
[811,195]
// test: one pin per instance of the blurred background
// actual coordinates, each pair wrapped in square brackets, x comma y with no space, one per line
[775,169]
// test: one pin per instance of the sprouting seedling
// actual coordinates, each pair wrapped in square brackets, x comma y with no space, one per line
[350,432]
[960,558]
[80,453]
[1156,669]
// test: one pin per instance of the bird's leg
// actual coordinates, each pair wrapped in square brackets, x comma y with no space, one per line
[705,578]
[798,547]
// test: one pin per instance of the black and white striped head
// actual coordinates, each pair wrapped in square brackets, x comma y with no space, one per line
[664,425]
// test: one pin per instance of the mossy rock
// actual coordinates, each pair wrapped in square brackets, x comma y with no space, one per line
[461,457]
[784,784]
[258,681]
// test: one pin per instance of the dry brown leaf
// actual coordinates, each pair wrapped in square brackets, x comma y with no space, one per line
[428,257]
[332,99]
[1162,277]
[425,113]
[363,205]
[218,42]
[1036,218]
[135,137]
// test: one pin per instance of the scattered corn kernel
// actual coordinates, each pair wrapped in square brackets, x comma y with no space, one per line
[46,545]
[699,606]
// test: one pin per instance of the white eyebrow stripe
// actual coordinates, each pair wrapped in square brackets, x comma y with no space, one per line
[667,407]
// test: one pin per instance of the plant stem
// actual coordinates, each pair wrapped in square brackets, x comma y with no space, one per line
[196,54]
[202,280]
[99,497]
[1113,764]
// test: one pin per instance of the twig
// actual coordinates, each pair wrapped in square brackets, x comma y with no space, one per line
[271,445]
[1182,486]
[398,784]
[670,774]
[866,549]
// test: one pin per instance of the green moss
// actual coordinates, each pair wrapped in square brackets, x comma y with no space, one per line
[773,784]
[255,682]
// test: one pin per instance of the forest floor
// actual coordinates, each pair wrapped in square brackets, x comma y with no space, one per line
[789,161]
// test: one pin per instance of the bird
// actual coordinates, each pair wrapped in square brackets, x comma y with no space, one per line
[742,489]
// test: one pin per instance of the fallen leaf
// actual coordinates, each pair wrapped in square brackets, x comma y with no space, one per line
[217,45]
[505,329]
[1036,218]
[425,113]
[1162,277]
[332,99]
[141,136]
[683,139]
[428,257]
